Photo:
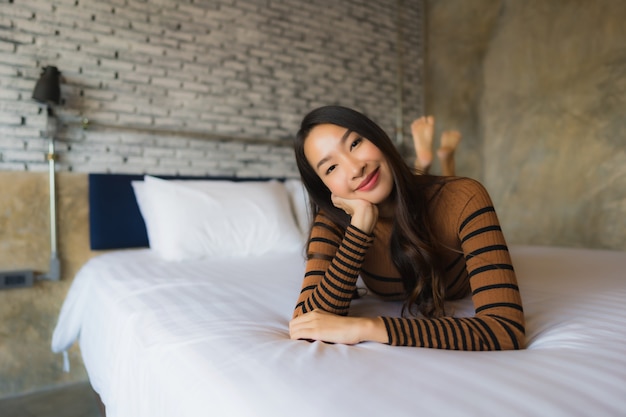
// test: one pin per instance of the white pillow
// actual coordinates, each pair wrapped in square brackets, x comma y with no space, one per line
[196,219]
[299,204]
[143,201]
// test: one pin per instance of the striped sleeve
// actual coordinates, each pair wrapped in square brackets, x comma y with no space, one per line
[498,322]
[334,261]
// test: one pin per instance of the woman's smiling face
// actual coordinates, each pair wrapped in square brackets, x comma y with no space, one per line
[350,166]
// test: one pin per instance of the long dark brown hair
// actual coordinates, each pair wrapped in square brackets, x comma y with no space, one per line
[414,248]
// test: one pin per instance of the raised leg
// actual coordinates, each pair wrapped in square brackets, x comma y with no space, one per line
[449,141]
[422,130]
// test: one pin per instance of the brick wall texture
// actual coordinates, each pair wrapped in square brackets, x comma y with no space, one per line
[199,87]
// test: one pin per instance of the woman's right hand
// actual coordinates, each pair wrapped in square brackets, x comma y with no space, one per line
[363,213]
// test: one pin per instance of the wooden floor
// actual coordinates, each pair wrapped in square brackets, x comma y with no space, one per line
[76,400]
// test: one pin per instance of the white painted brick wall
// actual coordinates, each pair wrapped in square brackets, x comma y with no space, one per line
[215,69]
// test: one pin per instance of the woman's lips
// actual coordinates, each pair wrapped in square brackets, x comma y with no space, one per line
[369,182]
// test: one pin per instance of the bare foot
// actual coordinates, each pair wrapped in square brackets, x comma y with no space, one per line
[422,129]
[449,141]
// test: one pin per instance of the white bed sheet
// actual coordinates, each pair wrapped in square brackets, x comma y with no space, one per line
[210,338]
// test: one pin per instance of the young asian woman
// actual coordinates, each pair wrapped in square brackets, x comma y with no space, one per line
[410,236]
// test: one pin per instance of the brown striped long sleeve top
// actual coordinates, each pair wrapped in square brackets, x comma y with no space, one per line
[478,262]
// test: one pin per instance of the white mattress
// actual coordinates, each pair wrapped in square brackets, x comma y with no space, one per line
[211,338]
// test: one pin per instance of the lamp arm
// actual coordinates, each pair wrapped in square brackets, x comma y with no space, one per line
[54,273]
[55,268]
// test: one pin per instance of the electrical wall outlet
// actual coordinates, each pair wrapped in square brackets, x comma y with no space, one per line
[16,279]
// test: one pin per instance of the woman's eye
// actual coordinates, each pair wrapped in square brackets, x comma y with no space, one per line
[355,142]
[330,169]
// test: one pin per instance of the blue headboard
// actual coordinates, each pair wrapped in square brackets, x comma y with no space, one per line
[115,221]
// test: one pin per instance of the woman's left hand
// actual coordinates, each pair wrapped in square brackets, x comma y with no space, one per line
[363,214]
[329,327]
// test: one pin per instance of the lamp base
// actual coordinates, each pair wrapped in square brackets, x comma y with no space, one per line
[54,273]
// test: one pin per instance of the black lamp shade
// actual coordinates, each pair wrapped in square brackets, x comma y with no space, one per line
[48,89]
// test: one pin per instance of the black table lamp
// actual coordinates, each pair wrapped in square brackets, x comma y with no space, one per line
[48,88]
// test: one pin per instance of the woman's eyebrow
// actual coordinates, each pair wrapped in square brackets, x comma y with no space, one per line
[345,135]
[326,158]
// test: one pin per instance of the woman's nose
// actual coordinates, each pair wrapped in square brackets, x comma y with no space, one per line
[357,168]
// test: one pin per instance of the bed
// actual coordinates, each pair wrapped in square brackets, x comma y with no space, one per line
[182,334]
